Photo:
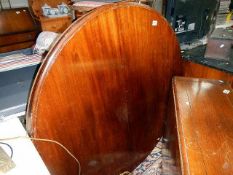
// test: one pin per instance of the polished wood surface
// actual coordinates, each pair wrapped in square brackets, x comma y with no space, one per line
[103,90]
[205,125]
[170,134]
[17,46]
[15,21]
[17,38]
[18,29]
[200,71]
[57,25]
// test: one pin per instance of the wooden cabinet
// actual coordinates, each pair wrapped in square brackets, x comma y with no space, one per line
[55,24]
[18,29]
[203,118]
[201,71]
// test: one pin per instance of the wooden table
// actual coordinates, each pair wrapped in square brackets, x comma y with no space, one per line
[204,122]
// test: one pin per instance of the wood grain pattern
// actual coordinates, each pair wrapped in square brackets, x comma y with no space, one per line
[17,38]
[57,25]
[103,90]
[170,134]
[17,46]
[15,21]
[201,71]
[18,29]
[204,121]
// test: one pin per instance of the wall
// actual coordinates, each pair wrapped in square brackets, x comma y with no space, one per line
[14,3]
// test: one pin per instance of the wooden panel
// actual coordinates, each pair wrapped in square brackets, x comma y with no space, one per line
[204,121]
[58,25]
[17,38]
[200,71]
[18,29]
[17,46]
[16,21]
[103,90]
[170,134]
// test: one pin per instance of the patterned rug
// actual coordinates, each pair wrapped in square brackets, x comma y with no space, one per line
[159,162]
[16,61]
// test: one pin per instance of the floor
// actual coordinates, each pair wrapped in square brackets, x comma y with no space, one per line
[159,162]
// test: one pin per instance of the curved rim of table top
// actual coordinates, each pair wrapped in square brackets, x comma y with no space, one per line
[60,43]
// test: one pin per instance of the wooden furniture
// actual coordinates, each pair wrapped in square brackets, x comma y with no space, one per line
[200,71]
[18,29]
[36,5]
[103,89]
[203,110]
[58,24]
[82,7]
[220,45]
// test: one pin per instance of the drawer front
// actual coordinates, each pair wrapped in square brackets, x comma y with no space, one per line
[16,21]
[17,38]
[58,26]
[17,46]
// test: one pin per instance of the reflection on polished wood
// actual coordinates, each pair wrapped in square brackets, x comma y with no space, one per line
[103,90]
[200,71]
[204,111]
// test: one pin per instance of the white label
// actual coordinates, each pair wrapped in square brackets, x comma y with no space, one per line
[226,91]
[154,23]
[187,103]
[191,26]
[222,45]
